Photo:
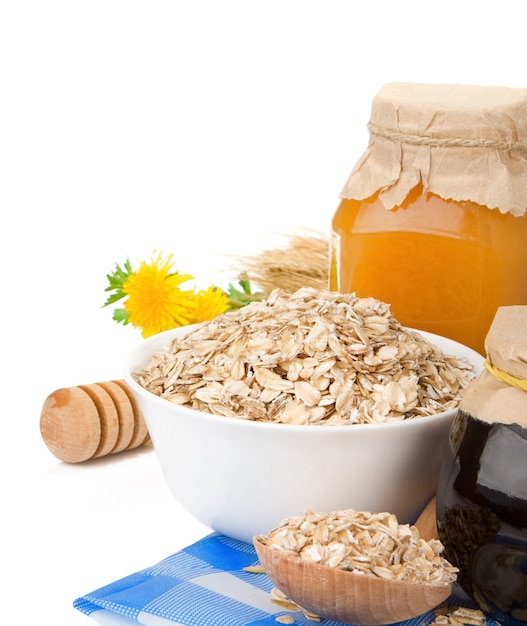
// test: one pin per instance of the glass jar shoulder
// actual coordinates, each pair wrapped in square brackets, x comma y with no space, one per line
[426,213]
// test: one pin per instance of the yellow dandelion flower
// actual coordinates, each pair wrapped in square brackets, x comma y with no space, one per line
[155,302]
[210,303]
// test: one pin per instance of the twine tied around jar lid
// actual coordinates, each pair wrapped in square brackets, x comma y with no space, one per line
[461,142]
[449,142]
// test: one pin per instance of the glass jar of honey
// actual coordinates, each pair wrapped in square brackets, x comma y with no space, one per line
[433,217]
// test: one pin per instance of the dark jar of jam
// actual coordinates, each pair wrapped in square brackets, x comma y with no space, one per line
[482,490]
[482,514]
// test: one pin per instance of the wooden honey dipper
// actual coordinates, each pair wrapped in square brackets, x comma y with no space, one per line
[90,421]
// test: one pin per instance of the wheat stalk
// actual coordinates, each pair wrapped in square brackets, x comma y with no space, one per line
[302,262]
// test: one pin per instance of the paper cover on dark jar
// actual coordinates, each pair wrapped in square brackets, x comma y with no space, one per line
[496,394]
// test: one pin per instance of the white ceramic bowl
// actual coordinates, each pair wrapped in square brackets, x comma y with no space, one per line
[242,478]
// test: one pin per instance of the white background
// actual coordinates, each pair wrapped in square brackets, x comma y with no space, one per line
[201,128]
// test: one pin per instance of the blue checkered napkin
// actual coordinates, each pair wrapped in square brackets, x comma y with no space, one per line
[202,585]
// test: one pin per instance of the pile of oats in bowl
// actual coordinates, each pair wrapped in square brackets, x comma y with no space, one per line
[311,357]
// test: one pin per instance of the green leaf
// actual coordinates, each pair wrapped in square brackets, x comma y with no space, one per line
[116,282]
[240,297]
[121,316]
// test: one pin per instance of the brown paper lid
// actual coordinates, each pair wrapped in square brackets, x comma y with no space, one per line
[506,341]
[493,401]
[495,397]
[461,142]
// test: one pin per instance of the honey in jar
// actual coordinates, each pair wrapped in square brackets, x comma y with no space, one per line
[432,219]
[481,499]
